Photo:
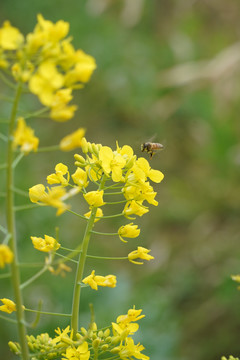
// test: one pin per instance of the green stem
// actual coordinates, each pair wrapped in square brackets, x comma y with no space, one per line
[80,267]
[79,273]
[12,230]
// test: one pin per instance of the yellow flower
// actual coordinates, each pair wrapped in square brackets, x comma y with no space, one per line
[47,244]
[126,324]
[111,162]
[46,35]
[60,111]
[45,82]
[79,353]
[6,255]
[73,140]
[129,231]
[134,207]
[58,177]
[94,198]
[53,197]
[140,253]
[96,280]
[8,307]
[80,178]
[24,136]
[129,349]
[10,37]
[62,334]
[155,175]
[82,70]
[99,214]
[132,315]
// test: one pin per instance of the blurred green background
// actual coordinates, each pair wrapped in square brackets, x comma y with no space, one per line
[169,69]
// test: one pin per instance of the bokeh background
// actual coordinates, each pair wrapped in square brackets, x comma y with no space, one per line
[169,69]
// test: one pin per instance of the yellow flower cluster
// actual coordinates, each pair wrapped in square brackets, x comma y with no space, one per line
[47,61]
[102,164]
[110,341]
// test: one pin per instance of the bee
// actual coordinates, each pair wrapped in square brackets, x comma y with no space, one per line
[151,148]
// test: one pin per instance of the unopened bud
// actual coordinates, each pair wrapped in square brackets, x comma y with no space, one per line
[14,347]
[108,339]
[115,339]
[79,158]
[96,343]
[90,149]
[104,347]
[106,333]
[95,149]
[84,331]
[100,334]
[84,145]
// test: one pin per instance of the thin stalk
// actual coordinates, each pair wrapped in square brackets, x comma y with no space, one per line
[79,273]
[12,229]
[80,266]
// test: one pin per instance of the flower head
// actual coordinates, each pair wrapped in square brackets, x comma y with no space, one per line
[96,280]
[73,140]
[10,37]
[111,162]
[47,244]
[79,353]
[6,255]
[94,198]
[128,349]
[140,253]
[24,137]
[58,177]
[53,197]
[8,306]
[80,178]
[129,231]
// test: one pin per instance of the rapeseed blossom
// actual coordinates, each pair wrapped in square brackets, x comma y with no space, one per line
[128,349]
[79,353]
[129,231]
[73,140]
[24,136]
[96,280]
[53,197]
[47,244]
[8,306]
[58,177]
[47,61]
[94,198]
[140,253]
[6,255]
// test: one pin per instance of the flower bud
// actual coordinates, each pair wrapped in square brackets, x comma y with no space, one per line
[96,343]
[100,334]
[84,145]
[104,347]
[95,149]
[79,158]
[90,148]
[108,339]
[84,331]
[115,339]
[14,347]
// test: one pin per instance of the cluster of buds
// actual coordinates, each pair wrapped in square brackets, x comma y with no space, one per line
[88,343]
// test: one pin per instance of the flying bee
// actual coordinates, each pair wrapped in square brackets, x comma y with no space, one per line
[151,148]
